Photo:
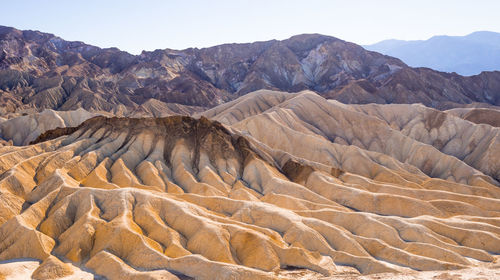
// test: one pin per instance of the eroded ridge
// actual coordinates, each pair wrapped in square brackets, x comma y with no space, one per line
[179,197]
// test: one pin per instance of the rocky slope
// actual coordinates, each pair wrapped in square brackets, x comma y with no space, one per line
[437,143]
[41,71]
[489,116]
[275,185]
[22,130]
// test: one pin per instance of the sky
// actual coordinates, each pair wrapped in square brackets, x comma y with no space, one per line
[134,26]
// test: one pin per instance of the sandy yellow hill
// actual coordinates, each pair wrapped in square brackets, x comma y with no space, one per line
[273,185]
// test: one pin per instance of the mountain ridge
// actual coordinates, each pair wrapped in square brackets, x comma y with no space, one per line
[41,71]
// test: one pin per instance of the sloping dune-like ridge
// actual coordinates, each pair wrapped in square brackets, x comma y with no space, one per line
[24,129]
[478,115]
[416,141]
[179,197]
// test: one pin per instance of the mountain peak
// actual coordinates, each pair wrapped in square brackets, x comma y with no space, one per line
[41,71]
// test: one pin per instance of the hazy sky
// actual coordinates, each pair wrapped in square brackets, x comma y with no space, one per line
[154,24]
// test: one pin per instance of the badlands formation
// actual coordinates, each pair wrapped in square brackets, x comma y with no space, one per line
[270,185]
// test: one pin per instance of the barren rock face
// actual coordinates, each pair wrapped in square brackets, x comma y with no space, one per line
[286,185]
[41,71]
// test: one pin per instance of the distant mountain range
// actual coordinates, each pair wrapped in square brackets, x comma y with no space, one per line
[465,55]
[41,71]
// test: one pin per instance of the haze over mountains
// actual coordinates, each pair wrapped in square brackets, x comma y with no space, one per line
[305,158]
[465,55]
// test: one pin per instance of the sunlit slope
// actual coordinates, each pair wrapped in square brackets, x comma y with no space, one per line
[286,182]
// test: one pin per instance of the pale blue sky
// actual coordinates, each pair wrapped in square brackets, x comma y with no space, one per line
[154,24]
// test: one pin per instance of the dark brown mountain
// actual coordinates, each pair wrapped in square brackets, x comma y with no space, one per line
[39,70]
